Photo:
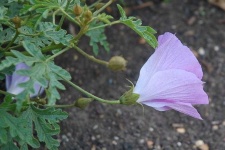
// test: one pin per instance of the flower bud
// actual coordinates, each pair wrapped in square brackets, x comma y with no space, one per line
[17,22]
[77,10]
[87,16]
[129,98]
[117,63]
[83,102]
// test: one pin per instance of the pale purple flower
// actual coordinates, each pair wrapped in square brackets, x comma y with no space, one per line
[13,81]
[171,78]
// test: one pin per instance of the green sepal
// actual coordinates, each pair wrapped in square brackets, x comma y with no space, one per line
[129,98]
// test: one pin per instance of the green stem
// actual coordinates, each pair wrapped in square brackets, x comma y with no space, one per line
[53,15]
[69,17]
[103,7]
[91,95]
[51,47]
[63,106]
[92,58]
[43,50]
[63,17]
[105,25]
[6,93]
[13,40]
[57,54]
[95,3]
[81,32]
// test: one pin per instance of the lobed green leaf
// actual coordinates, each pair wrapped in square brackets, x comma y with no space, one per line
[97,37]
[135,24]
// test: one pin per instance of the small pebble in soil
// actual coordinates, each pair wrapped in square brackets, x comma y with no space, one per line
[201,145]
[151,129]
[93,147]
[223,123]
[69,134]
[201,51]
[150,144]
[216,48]
[215,127]
[116,138]
[114,142]
[118,112]
[95,127]
[93,138]
[179,143]
[141,141]
[191,20]
[181,130]
[65,138]
[174,27]
[110,81]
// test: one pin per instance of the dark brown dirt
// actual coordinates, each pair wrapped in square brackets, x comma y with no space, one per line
[106,127]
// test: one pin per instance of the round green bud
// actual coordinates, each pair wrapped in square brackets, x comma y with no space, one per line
[77,10]
[117,63]
[87,16]
[17,22]
[83,102]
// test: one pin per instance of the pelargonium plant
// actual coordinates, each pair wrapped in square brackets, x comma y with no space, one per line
[31,36]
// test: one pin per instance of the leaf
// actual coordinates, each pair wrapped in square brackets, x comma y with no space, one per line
[46,73]
[9,146]
[13,124]
[6,35]
[14,8]
[59,36]
[55,73]
[3,136]
[135,24]
[8,104]
[104,18]
[45,121]
[8,62]
[3,11]
[33,50]
[97,36]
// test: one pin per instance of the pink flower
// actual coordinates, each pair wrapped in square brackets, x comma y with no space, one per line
[171,78]
[13,81]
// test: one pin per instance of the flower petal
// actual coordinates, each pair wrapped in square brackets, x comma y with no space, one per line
[187,109]
[13,81]
[175,86]
[170,54]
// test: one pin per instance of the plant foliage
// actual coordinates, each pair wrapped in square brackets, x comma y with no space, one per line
[31,32]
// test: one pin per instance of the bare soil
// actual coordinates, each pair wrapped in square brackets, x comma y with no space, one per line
[199,25]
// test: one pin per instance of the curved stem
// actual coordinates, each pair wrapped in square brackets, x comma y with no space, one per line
[13,40]
[63,17]
[92,58]
[57,54]
[68,16]
[82,31]
[91,95]
[103,7]
[43,50]
[6,93]
[63,106]
[105,25]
